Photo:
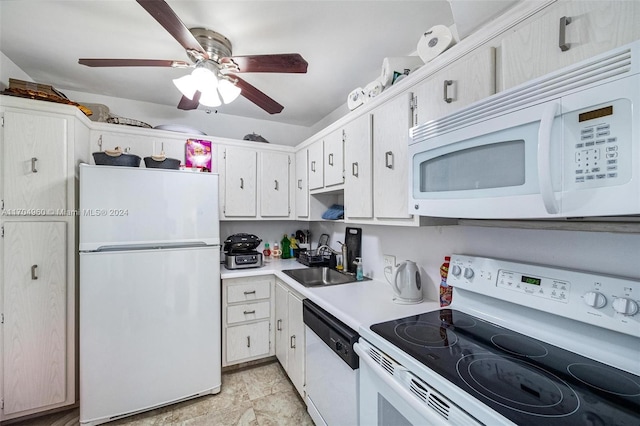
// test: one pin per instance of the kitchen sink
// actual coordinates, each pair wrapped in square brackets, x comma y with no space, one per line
[319,276]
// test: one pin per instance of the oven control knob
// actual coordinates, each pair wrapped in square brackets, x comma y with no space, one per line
[468,273]
[595,299]
[339,346]
[455,270]
[625,306]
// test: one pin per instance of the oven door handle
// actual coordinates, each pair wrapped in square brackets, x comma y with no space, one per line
[430,417]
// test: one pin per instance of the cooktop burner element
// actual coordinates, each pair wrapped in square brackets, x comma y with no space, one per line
[526,380]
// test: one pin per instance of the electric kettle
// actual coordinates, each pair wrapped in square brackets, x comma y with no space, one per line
[405,282]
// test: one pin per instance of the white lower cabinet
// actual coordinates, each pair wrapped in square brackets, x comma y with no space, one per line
[290,342]
[247,318]
[36,340]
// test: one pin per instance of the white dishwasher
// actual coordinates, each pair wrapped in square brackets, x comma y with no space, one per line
[331,368]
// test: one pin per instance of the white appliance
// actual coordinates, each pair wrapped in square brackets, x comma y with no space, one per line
[563,145]
[405,282]
[520,344]
[149,289]
[331,368]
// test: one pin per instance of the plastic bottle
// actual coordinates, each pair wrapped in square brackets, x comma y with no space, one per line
[293,244]
[446,291]
[276,252]
[359,272]
[267,251]
[286,247]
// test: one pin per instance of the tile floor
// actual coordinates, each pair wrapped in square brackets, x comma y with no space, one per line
[260,395]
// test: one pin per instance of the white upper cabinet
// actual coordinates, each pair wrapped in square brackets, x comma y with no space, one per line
[565,33]
[302,184]
[240,178]
[391,123]
[358,189]
[35,161]
[465,81]
[334,158]
[274,184]
[316,165]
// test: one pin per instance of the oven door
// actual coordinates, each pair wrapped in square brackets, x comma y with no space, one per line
[391,395]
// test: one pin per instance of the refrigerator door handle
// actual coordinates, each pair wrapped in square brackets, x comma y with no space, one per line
[151,246]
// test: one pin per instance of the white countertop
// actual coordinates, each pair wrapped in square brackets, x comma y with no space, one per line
[358,304]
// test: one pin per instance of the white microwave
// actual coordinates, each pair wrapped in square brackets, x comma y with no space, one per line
[563,145]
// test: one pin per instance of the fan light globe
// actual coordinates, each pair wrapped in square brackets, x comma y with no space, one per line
[186,85]
[228,91]
[210,98]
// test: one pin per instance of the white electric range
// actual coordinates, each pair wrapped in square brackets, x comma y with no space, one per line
[520,344]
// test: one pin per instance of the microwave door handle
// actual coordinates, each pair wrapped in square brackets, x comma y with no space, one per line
[431,417]
[544,159]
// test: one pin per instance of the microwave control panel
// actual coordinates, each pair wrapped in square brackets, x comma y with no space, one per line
[598,145]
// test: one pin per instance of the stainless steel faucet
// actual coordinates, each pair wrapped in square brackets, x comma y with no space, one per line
[343,252]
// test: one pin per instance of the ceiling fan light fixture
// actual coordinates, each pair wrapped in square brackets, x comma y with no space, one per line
[228,91]
[210,98]
[187,85]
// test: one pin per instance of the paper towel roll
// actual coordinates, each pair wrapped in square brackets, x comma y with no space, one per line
[373,89]
[434,41]
[355,98]
[399,64]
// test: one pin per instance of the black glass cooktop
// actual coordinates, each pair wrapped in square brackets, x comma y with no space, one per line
[527,381]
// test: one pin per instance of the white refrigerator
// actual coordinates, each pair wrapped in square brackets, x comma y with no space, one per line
[149,289]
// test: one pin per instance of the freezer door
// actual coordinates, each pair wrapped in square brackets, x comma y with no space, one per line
[149,329]
[121,206]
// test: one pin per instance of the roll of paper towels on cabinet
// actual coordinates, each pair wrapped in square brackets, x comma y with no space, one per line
[402,65]
[373,89]
[434,41]
[355,98]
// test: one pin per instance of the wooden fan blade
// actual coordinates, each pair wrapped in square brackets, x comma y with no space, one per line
[133,63]
[258,97]
[187,104]
[285,63]
[166,17]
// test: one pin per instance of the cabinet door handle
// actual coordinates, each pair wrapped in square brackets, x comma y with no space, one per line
[34,272]
[354,169]
[34,160]
[331,159]
[447,83]
[279,325]
[250,312]
[248,341]
[388,159]
[292,342]
[276,186]
[249,292]
[313,166]
[299,183]
[241,183]
[562,33]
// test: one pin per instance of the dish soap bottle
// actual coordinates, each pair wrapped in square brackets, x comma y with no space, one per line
[285,246]
[359,272]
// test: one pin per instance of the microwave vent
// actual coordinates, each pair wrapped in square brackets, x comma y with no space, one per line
[594,71]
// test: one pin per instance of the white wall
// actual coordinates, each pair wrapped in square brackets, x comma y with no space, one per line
[608,253]
[8,69]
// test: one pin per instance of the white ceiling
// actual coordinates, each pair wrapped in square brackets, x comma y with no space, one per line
[344,43]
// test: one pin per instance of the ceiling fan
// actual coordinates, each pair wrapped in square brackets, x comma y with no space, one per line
[210,56]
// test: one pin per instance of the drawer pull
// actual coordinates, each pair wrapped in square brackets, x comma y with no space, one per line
[248,341]
[34,160]
[250,312]
[292,342]
[34,272]
[279,325]
[249,292]
[447,83]
[388,159]
[562,34]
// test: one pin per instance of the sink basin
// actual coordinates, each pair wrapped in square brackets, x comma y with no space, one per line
[320,276]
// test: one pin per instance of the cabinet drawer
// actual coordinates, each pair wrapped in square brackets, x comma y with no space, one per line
[249,291]
[248,312]
[247,341]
